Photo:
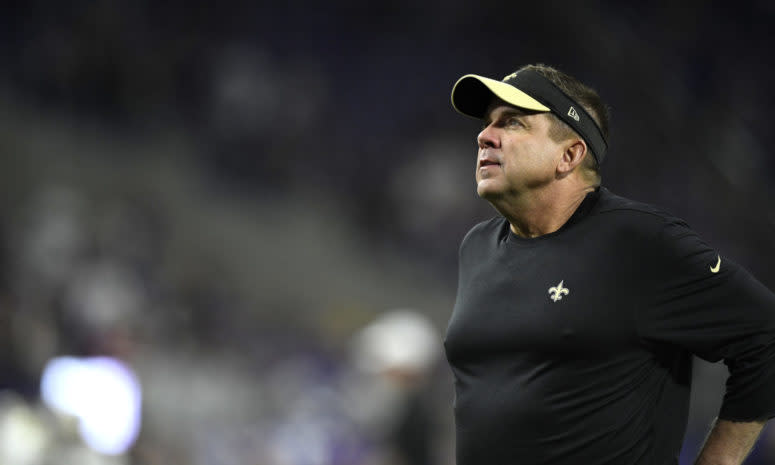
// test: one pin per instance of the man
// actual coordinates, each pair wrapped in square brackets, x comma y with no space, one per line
[578,311]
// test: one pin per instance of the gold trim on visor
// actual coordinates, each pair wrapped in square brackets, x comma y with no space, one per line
[472,94]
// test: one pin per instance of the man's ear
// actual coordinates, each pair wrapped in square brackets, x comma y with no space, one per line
[572,156]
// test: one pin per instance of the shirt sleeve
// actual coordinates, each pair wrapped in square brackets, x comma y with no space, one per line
[702,302]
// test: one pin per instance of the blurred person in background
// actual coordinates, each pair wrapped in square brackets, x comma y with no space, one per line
[395,355]
[577,310]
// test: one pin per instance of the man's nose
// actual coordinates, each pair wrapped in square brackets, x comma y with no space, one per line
[488,137]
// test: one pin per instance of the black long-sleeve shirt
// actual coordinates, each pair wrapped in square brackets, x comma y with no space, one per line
[575,347]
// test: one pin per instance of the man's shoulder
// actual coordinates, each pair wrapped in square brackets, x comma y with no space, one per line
[489,226]
[611,205]
[492,228]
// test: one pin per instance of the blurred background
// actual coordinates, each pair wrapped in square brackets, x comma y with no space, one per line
[228,233]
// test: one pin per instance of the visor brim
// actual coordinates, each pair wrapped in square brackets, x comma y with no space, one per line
[472,95]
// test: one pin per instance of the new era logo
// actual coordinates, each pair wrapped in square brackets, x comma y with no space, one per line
[572,113]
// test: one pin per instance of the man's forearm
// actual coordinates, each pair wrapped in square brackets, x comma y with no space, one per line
[729,442]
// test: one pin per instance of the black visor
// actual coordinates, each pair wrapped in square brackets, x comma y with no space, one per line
[528,89]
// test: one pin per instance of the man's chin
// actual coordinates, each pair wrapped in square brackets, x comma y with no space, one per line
[487,190]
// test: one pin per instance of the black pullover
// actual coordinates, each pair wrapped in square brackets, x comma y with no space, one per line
[575,347]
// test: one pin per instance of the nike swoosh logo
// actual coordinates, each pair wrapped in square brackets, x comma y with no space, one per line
[714,269]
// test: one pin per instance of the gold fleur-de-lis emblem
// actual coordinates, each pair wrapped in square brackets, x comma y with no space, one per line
[556,292]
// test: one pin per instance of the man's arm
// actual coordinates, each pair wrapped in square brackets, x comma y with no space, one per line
[729,442]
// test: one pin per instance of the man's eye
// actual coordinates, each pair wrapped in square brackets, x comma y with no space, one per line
[513,122]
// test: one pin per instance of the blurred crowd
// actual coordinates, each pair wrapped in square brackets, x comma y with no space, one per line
[89,280]
[242,203]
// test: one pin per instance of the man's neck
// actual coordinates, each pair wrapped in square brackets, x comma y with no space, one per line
[541,212]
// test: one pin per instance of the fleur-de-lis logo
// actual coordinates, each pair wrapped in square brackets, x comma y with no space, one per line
[556,292]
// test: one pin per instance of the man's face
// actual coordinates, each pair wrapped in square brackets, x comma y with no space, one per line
[516,153]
